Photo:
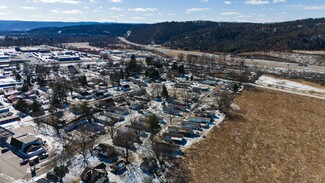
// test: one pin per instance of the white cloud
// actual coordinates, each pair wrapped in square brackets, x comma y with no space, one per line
[115,9]
[117,16]
[142,9]
[58,1]
[314,7]
[116,1]
[204,1]
[244,16]
[227,2]
[196,9]
[55,11]
[3,7]
[69,12]
[28,8]
[137,18]
[230,13]
[257,2]
[279,1]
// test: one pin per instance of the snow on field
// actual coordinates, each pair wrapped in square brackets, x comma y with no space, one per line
[269,81]
[134,175]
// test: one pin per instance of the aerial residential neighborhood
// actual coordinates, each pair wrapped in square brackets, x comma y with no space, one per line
[70,106]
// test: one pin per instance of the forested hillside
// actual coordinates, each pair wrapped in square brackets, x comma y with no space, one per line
[306,34]
[113,30]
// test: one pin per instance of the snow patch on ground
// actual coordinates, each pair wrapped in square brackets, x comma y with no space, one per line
[282,83]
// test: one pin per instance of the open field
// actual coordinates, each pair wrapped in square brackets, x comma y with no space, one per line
[310,52]
[292,85]
[281,140]
[316,85]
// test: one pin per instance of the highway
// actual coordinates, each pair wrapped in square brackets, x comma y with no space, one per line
[250,62]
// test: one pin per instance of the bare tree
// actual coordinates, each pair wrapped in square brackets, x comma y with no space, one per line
[177,172]
[55,67]
[180,57]
[171,119]
[163,150]
[132,117]
[186,96]
[112,131]
[38,122]
[175,92]
[53,120]
[68,148]
[224,100]
[124,140]
[84,140]
[241,65]
[156,88]
[71,85]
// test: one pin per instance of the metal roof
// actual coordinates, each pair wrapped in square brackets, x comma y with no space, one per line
[4,133]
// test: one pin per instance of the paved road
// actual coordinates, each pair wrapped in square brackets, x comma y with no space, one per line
[251,62]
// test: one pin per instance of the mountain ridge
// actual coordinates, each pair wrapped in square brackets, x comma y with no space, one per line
[207,36]
[18,25]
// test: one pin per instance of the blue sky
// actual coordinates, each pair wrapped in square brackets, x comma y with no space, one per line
[150,11]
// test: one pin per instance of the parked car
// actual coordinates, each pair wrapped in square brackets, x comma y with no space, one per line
[43,156]
[118,166]
[23,162]
[4,150]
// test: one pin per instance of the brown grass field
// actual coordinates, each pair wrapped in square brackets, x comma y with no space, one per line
[282,139]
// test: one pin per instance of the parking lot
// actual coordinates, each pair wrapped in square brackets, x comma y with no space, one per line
[10,168]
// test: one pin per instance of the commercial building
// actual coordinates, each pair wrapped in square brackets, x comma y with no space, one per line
[65,58]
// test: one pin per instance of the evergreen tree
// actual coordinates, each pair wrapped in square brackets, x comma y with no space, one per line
[18,77]
[28,81]
[84,108]
[181,69]
[36,106]
[154,126]
[83,80]
[25,87]
[121,74]
[164,91]
[21,105]
[175,66]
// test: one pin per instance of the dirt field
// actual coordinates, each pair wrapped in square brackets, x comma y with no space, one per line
[281,140]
